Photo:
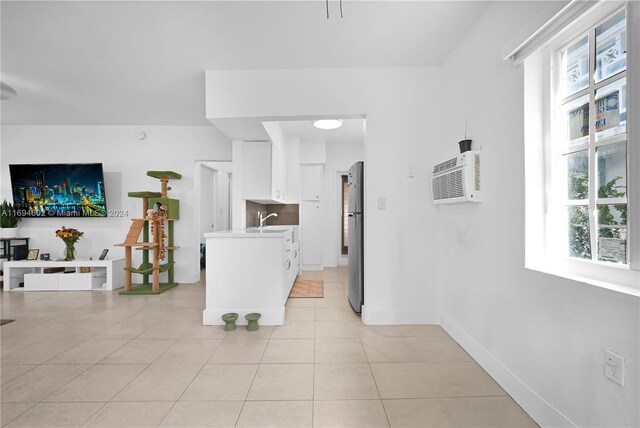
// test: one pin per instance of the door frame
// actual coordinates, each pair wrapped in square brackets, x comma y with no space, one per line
[197,206]
[342,259]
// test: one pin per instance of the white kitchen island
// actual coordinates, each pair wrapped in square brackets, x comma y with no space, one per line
[250,270]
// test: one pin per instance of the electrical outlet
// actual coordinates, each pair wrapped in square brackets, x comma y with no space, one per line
[614,367]
[382,203]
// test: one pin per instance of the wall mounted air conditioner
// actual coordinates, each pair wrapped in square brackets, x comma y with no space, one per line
[457,180]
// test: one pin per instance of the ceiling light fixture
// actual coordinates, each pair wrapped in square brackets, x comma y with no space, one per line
[328,123]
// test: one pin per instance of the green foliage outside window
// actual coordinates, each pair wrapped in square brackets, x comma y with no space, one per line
[579,236]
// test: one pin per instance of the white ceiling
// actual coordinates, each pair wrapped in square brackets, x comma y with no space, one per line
[143,62]
[351,131]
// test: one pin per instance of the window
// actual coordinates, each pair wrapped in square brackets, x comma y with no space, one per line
[582,155]
[590,139]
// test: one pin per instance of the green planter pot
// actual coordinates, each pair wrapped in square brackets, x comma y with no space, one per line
[229,321]
[253,321]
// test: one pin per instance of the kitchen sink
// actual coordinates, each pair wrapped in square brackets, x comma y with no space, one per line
[265,230]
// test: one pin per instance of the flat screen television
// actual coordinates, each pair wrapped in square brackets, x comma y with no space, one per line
[58,190]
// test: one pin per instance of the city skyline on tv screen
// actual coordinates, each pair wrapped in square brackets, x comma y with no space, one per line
[58,190]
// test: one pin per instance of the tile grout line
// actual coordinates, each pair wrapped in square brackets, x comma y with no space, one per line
[384,409]
[146,368]
[440,397]
[194,377]
[185,389]
[61,386]
[34,366]
[143,370]
[20,414]
[313,377]
[253,380]
[116,394]
[135,377]
[94,413]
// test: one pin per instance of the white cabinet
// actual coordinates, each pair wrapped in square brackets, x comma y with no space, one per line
[103,275]
[311,217]
[312,182]
[63,281]
[262,172]
[40,282]
[312,235]
[278,172]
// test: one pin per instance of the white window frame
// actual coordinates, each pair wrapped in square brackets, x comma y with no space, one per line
[543,226]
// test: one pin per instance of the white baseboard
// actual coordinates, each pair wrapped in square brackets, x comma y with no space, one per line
[188,279]
[269,317]
[386,317]
[540,411]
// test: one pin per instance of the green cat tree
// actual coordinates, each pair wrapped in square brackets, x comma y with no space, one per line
[157,208]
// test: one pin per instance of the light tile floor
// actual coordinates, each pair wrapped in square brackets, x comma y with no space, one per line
[101,359]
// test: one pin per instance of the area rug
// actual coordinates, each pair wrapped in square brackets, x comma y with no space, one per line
[307,288]
[3,322]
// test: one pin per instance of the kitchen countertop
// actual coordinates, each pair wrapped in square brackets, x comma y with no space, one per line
[253,232]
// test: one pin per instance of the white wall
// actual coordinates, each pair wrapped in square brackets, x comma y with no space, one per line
[541,336]
[402,107]
[208,183]
[276,134]
[340,157]
[313,151]
[238,205]
[125,161]
[292,159]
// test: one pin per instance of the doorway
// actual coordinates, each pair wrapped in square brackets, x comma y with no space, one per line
[343,218]
[213,206]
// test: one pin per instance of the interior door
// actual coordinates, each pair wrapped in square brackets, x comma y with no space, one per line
[312,180]
[311,239]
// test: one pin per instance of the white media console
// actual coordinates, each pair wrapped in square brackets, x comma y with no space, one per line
[39,275]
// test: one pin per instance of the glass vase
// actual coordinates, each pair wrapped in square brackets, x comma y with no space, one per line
[70,251]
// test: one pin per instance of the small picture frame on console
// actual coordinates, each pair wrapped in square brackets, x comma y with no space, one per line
[103,255]
[45,257]
[33,254]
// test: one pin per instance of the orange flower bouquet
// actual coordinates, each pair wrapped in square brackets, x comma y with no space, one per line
[69,236]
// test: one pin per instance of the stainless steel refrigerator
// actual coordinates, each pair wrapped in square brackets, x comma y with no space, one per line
[356,236]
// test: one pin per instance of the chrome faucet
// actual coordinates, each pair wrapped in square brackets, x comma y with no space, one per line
[263,219]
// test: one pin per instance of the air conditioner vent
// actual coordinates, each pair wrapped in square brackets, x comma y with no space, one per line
[448,186]
[451,163]
[457,180]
